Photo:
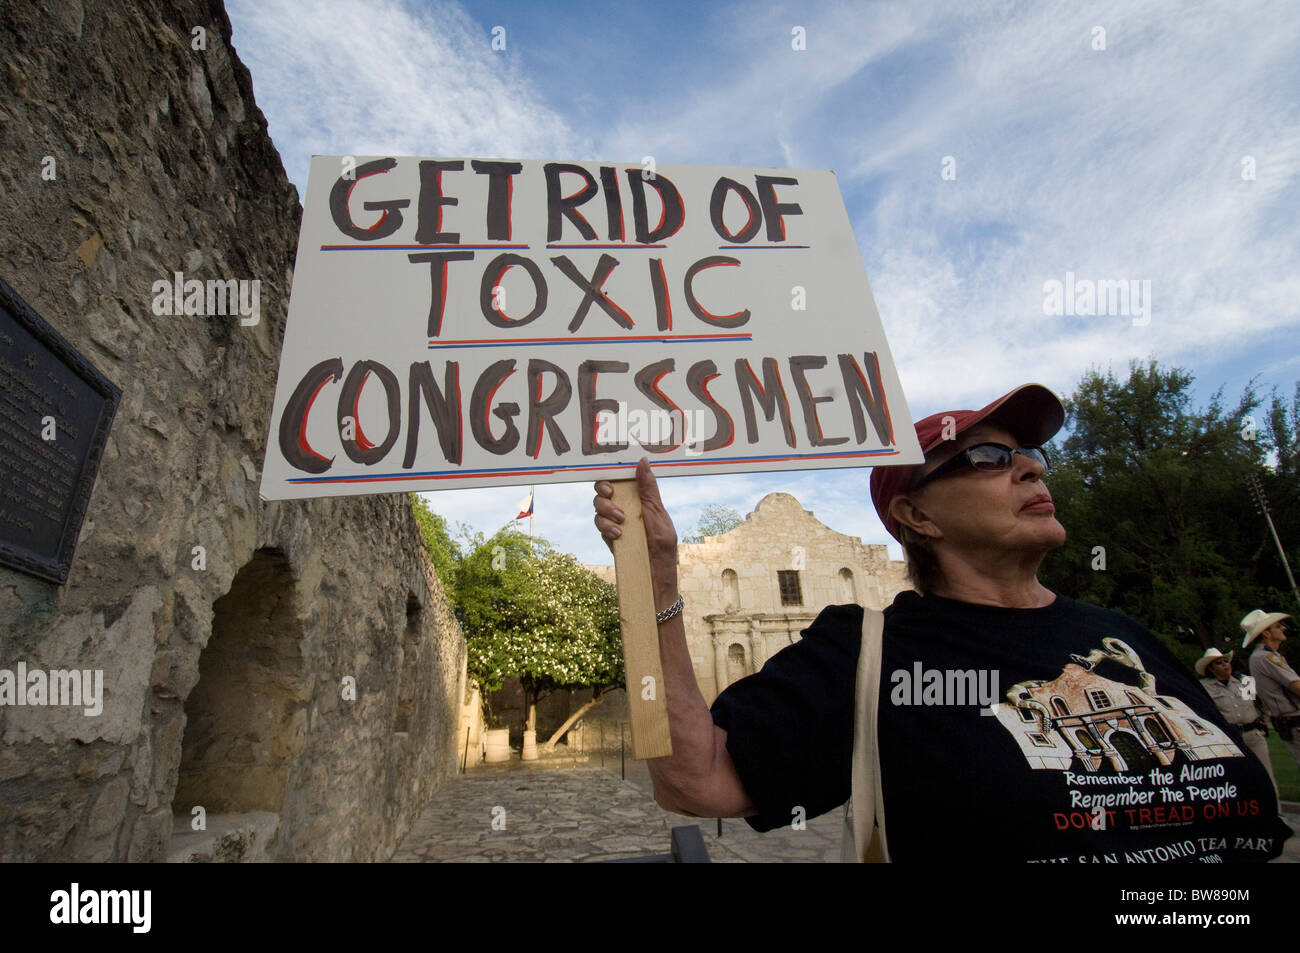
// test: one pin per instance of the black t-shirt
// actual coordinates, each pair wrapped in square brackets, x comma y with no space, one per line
[1061,734]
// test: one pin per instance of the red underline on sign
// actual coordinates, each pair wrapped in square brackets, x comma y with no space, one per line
[614,245]
[614,339]
[585,467]
[757,247]
[411,247]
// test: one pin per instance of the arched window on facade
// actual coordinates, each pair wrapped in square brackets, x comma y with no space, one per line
[735,663]
[730,591]
[1059,706]
[1157,731]
[848,590]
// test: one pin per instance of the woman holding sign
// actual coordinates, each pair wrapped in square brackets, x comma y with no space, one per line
[992,715]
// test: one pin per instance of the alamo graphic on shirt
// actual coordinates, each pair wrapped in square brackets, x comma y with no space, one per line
[1085,719]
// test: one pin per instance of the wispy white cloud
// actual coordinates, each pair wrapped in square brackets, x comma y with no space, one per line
[1116,163]
[380,77]
[754,95]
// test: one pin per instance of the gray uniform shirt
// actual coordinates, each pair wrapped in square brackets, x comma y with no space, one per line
[1272,675]
[1227,698]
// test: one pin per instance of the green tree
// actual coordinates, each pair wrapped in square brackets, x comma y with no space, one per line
[1153,490]
[715,519]
[530,611]
[526,610]
[442,548]
[489,577]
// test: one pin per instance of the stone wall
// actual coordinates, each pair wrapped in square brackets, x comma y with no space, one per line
[735,617]
[226,628]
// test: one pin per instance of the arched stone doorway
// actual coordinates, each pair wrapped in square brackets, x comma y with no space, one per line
[246,718]
[1135,754]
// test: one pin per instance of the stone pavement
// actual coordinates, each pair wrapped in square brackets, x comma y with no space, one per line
[560,811]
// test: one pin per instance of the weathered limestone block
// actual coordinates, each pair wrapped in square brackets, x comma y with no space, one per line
[149,835]
[122,652]
[107,809]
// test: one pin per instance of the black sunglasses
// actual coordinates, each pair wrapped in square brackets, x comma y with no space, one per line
[986,457]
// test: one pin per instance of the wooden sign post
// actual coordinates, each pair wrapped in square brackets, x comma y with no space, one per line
[646,702]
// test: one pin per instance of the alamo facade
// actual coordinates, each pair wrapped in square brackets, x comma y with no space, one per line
[751,591]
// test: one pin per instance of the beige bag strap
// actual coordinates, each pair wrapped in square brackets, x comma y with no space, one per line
[865,817]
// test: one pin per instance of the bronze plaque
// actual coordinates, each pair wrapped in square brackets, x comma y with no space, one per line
[55,413]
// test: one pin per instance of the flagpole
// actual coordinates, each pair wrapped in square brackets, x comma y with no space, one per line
[532,491]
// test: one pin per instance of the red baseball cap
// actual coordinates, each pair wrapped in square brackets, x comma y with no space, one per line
[1031,412]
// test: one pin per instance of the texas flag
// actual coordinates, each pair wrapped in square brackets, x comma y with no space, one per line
[525,506]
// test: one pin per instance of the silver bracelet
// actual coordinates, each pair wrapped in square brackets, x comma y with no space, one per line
[672,610]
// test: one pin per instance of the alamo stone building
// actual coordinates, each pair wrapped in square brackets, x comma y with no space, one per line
[751,591]
[226,629]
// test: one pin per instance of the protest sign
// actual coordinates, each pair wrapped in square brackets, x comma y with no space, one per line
[472,322]
[464,323]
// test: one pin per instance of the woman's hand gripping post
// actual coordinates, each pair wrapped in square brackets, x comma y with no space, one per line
[698,779]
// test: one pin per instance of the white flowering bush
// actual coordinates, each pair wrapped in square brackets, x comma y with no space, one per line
[533,612]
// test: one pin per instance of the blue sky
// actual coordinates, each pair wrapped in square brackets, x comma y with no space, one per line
[1117,163]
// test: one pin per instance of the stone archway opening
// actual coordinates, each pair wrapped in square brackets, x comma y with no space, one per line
[245,719]
[1136,757]
[410,657]
[735,663]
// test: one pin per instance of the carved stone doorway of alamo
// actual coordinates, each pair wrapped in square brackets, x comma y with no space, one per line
[1135,754]
[245,719]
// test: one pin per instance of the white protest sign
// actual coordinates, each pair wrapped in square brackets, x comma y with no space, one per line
[462,323]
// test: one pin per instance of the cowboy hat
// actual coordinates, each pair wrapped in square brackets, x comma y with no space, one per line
[1256,621]
[1211,655]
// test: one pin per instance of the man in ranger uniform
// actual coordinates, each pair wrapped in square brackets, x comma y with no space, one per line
[1234,703]
[1277,683]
